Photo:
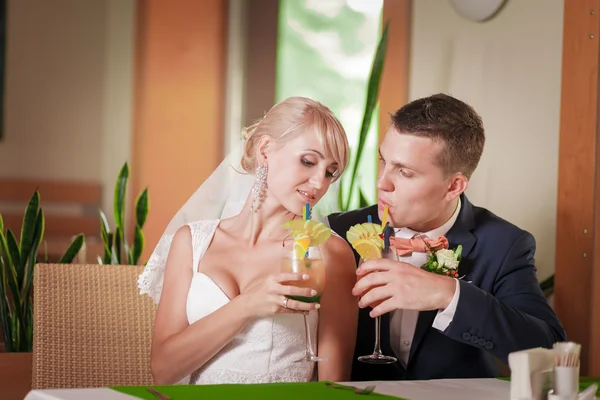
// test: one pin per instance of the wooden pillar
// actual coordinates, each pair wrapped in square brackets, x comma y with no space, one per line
[393,92]
[577,279]
[261,58]
[179,103]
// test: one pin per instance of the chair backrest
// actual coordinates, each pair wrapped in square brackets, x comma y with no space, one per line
[91,328]
[70,208]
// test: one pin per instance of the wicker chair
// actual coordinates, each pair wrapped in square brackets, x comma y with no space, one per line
[91,327]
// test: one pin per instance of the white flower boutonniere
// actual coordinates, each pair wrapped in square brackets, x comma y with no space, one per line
[444,262]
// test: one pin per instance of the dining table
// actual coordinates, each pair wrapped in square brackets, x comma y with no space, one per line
[443,389]
[447,389]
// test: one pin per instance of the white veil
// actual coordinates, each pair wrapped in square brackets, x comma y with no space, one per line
[221,195]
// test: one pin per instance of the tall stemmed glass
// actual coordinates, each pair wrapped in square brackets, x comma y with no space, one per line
[378,357]
[298,260]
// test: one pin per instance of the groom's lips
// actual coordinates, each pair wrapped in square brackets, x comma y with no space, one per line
[381,204]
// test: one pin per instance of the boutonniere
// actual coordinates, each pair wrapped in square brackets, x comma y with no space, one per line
[444,262]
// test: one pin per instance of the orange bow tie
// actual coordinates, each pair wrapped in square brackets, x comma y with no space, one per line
[421,244]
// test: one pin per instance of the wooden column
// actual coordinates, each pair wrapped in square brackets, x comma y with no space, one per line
[577,287]
[393,92]
[261,58]
[179,103]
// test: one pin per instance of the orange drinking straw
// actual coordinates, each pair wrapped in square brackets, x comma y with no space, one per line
[385,215]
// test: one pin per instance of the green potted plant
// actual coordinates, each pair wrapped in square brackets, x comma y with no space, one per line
[117,249]
[18,257]
[17,260]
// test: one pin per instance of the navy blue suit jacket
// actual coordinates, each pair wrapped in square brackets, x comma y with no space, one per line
[501,307]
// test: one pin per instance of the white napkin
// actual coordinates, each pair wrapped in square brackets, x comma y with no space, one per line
[530,371]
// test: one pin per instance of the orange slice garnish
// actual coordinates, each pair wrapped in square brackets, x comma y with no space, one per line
[301,247]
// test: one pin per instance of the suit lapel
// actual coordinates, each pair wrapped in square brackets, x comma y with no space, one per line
[459,234]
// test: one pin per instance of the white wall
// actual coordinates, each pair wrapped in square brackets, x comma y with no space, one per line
[509,70]
[68,90]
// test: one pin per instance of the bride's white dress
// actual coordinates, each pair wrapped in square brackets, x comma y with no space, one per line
[264,351]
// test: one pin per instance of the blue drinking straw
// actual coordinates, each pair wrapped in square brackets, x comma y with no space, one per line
[386,237]
[307,215]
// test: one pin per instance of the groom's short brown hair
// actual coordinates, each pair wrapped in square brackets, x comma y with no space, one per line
[450,121]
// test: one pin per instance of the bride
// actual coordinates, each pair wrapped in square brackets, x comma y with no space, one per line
[222,313]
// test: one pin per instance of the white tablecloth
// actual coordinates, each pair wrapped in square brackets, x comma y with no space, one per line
[444,389]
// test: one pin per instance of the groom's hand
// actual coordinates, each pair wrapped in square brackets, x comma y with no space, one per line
[388,285]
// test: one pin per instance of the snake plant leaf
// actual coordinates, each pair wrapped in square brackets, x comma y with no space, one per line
[107,239]
[38,233]
[73,249]
[117,250]
[14,267]
[104,226]
[138,246]
[28,227]
[4,304]
[108,248]
[12,273]
[117,245]
[141,208]
[4,252]
[120,197]
[4,265]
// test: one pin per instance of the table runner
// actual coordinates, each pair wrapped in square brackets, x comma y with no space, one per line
[446,389]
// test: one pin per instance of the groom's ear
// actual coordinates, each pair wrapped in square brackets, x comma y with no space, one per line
[262,149]
[458,183]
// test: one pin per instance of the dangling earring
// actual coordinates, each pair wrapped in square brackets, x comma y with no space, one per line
[260,184]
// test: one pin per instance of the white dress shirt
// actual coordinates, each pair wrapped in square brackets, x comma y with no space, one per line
[404,322]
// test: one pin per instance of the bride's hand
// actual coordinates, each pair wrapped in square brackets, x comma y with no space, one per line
[268,297]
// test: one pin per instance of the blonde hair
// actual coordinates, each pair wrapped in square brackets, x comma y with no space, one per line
[297,115]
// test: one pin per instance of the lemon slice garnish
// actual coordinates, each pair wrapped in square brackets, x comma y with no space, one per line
[366,239]
[368,249]
[317,232]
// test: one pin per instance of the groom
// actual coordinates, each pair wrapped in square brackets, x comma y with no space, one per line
[435,325]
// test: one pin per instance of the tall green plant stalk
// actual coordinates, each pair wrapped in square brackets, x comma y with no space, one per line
[116,248]
[547,286]
[345,196]
[17,260]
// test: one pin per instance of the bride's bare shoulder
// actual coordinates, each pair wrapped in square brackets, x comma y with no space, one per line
[339,253]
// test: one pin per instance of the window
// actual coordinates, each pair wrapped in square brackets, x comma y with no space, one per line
[325,50]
